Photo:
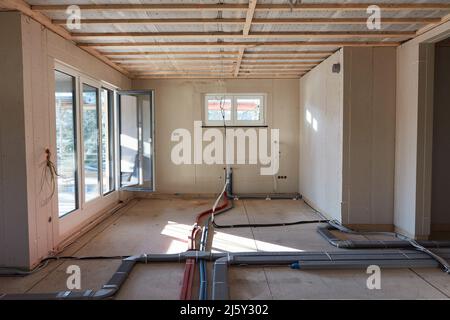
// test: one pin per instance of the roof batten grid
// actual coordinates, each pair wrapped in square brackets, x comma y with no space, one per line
[243,7]
[293,33]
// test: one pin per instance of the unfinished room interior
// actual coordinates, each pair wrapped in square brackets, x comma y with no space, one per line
[224,150]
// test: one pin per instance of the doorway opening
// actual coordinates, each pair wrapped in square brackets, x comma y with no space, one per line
[440,211]
[136,140]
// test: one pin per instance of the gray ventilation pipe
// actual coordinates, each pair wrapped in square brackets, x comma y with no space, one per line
[319,260]
[315,260]
[325,231]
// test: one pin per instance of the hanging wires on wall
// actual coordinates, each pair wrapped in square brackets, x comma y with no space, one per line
[49,176]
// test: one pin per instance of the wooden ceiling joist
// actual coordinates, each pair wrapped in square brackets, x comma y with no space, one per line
[180,7]
[233,44]
[268,76]
[245,58]
[217,69]
[120,59]
[239,62]
[254,35]
[282,21]
[185,68]
[294,53]
[290,52]
[168,53]
[284,63]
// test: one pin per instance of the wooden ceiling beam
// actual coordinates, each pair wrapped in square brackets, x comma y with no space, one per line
[233,44]
[162,53]
[245,33]
[243,7]
[121,59]
[176,72]
[290,52]
[353,6]
[341,21]
[147,7]
[254,35]
[176,68]
[218,69]
[284,63]
[214,77]
[170,21]
[284,58]
[249,17]
[239,62]
[292,21]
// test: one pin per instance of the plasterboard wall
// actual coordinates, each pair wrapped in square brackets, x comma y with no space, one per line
[414,130]
[347,137]
[14,236]
[29,62]
[178,103]
[369,136]
[321,129]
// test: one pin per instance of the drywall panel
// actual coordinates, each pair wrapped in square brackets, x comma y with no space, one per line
[414,132]
[14,238]
[321,125]
[369,135]
[178,103]
[37,115]
[440,213]
[406,137]
[30,226]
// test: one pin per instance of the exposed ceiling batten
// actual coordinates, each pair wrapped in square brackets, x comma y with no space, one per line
[280,21]
[199,39]
[243,7]
[217,44]
[254,35]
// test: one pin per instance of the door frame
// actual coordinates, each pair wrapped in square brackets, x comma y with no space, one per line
[151,94]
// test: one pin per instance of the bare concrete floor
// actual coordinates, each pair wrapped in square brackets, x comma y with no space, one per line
[163,226]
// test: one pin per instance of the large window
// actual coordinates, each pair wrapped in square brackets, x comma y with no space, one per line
[107,103]
[91,142]
[85,140]
[66,142]
[234,109]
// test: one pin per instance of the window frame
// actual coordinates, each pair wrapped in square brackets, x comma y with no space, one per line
[262,112]
[80,79]
[76,122]
[234,122]
[111,137]
[218,96]
[93,84]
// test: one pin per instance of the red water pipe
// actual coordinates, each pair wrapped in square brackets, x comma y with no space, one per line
[189,269]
